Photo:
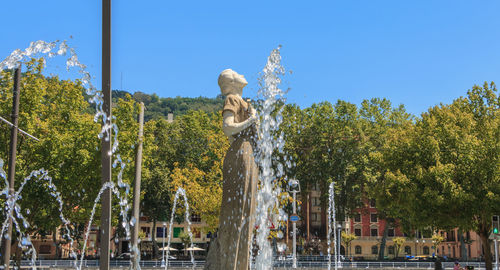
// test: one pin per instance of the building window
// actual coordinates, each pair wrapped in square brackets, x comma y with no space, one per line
[372,203]
[160,233]
[374,232]
[407,250]
[195,218]
[357,250]
[316,201]
[390,250]
[390,232]
[375,250]
[426,250]
[373,218]
[196,233]
[357,231]
[314,217]
[45,249]
[146,231]
[357,217]
[177,231]
[451,236]
[315,187]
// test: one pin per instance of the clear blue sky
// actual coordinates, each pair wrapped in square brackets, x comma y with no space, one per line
[418,53]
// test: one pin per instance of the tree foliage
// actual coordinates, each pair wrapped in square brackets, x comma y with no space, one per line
[159,107]
[443,172]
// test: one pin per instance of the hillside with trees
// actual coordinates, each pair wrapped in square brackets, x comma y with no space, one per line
[159,107]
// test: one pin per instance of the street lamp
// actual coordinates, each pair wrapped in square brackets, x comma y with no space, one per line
[294,187]
[416,247]
[163,249]
[339,238]
[423,246]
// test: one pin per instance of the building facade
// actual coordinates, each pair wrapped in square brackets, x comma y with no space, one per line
[369,230]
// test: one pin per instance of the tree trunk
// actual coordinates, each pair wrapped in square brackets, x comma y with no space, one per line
[349,249]
[153,239]
[18,253]
[56,244]
[483,234]
[383,242]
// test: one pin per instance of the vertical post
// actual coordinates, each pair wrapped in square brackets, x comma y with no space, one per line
[496,253]
[287,232]
[294,228]
[163,249]
[12,162]
[137,189]
[106,140]
[339,239]
[307,219]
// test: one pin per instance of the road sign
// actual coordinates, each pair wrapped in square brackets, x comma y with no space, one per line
[494,236]
[294,218]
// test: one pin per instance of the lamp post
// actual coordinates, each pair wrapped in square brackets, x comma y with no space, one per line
[423,247]
[163,249]
[106,141]
[339,238]
[416,247]
[294,187]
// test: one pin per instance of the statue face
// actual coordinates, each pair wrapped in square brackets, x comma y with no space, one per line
[240,80]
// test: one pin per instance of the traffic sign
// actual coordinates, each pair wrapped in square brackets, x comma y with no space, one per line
[494,236]
[294,218]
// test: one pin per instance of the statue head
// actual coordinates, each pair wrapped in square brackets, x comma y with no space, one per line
[231,82]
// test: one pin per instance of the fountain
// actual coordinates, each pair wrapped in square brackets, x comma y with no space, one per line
[14,60]
[179,192]
[332,223]
[271,101]
[260,133]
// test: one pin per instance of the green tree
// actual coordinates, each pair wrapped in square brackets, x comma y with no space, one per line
[54,111]
[398,243]
[436,241]
[347,238]
[379,119]
[323,143]
[156,194]
[186,240]
[197,160]
[447,166]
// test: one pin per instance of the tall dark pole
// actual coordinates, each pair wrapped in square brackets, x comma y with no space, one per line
[12,160]
[106,142]
[137,190]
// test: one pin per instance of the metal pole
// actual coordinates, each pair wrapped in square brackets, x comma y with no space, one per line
[294,228]
[106,140]
[496,253]
[163,252]
[339,238]
[12,161]
[137,189]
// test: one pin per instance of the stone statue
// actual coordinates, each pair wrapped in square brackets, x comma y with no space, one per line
[231,249]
